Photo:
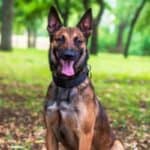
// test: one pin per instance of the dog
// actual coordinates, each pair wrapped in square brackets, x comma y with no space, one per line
[74,117]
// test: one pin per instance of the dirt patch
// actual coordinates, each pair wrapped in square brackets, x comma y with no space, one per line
[20,92]
[21,128]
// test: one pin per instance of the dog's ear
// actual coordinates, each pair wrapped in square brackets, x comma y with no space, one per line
[85,24]
[54,22]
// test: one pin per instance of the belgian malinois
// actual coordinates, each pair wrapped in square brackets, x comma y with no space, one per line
[74,117]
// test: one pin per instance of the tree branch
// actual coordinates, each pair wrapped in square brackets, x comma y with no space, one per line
[132,24]
[58,6]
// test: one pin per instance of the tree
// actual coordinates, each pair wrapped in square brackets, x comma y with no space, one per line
[144,19]
[119,41]
[123,18]
[143,28]
[132,25]
[30,14]
[0,14]
[97,20]
[65,10]
[7,18]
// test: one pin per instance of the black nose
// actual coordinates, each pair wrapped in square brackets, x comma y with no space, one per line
[69,55]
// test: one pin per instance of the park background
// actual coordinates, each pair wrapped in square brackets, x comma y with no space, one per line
[119,64]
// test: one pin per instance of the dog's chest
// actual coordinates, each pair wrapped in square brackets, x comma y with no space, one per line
[64,109]
[64,103]
[64,112]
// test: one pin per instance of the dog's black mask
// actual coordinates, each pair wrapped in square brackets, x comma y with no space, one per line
[69,54]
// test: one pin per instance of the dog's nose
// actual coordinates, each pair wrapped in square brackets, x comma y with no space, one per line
[69,55]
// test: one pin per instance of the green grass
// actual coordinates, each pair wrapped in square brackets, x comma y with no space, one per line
[123,85]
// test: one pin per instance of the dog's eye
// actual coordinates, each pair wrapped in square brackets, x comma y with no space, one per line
[77,41]
[60,39]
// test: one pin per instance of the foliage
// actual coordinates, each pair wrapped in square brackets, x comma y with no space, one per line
[0,9]
[144,20]
[123,12]
[140,43]
[107,40]
[30,13]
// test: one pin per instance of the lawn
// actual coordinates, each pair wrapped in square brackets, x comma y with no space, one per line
[123,86]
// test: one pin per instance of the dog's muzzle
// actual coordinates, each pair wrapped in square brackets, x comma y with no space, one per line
[67,61]
[69,54]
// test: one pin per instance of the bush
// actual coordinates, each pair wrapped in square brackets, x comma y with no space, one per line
[140,44]
[106,40]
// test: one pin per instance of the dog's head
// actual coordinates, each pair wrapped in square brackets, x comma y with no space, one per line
[68,51]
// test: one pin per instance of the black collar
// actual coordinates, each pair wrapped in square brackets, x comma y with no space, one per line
[72,82]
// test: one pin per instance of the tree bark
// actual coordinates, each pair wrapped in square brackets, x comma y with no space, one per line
[7,23]
[132,24]
[64,13]
[85,4]
[31,37]
[94,39]
[34,39]
[119,43]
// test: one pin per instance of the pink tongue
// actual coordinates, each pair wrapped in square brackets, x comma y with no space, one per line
[67,68]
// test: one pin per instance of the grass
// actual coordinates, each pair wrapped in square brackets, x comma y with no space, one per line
[122,84]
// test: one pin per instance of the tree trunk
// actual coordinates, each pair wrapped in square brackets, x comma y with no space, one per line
[132,24]
[34,39]
[94,39]
[7,22]
[31,37]
[65,12]
[86,4]
[119,43]
[29,34]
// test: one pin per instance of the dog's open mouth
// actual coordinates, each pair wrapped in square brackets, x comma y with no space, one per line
[67,67]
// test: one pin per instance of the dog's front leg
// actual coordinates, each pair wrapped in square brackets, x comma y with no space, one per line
[51,142]
[86,123]
[85,141]
[117,145]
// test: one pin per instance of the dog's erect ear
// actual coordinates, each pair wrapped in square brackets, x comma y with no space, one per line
[85,24]
[54,22]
